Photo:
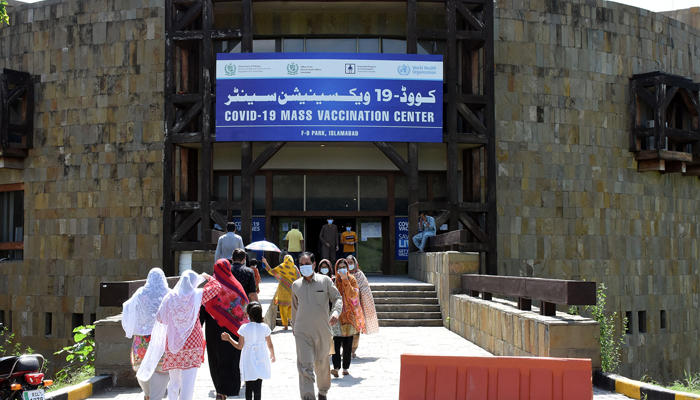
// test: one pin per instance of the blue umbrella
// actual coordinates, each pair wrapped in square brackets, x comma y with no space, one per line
[263,245]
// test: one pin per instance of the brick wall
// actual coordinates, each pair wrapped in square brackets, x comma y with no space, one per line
[571,204]
[93,182]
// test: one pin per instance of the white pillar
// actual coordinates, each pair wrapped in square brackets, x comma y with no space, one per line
[185,261]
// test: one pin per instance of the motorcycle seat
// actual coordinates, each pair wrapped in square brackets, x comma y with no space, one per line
[24,364]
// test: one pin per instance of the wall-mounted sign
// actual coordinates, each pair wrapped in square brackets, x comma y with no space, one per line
[328,97]
[402,239]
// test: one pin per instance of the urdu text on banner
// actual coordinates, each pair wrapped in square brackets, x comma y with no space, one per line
[329,97]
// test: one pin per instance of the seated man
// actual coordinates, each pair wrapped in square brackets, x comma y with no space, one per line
[426,226]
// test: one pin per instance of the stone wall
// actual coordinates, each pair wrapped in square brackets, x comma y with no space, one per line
[500,328]
[571,204]
[444,270]
[93,182]
[113,352]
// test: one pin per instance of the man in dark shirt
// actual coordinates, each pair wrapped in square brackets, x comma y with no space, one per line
[244,275]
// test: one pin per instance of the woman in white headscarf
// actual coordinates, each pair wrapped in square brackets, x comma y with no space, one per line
[179,335]
[138,319]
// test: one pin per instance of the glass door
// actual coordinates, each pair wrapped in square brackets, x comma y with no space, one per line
[370,246]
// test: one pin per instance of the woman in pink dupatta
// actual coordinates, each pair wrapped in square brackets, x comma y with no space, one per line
[366,300]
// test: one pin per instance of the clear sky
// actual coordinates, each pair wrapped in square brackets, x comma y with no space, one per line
[661,5]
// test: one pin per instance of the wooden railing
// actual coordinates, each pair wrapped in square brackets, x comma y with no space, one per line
[549,291]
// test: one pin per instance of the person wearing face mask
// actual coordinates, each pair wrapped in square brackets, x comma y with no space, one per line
[366,300]
[329,240]
[286,273]
[351,320]
[312,322]
[348,240]
[324,267]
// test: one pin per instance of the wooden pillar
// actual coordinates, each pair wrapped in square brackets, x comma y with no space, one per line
[452,116]
[391,208]
[205,86]
[168,164]
[490,154]
[412,192]
[246,192]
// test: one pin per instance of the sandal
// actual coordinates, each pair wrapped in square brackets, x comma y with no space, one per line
[346,372]
[220,396]
[334,372]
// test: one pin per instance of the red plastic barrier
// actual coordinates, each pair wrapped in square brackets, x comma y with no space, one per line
[494,378]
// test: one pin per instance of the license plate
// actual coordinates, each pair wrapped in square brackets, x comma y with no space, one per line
[34,394]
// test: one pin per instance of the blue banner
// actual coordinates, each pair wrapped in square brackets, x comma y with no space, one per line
[329,97]
[402,239]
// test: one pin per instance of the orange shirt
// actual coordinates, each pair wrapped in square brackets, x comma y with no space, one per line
[348,237]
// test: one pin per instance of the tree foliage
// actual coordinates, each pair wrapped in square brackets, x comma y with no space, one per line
[4,18]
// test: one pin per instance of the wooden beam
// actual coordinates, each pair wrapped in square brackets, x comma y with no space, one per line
[413,191]
[469,16]
[691,101]
[186,225]
[187,36]
[12,187]
[411,26]
[207,164]
[490,153]
[225,205]
[11,246]
[394,157]
[646,95]
[194,11]
[185,205]
[188,117]
[187,137]
[651,165]
[168,146]
[473,227]
[442,218]
[265,156]
[675,166]
[219,219]
[247,33]
[472,120]
[226,33]
[669,95]
[634,105]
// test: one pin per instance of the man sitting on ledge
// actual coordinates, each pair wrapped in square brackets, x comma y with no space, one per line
[426,226]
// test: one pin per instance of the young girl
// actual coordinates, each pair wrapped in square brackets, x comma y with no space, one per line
[255,361]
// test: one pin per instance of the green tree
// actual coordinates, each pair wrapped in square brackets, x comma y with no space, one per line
[3,13]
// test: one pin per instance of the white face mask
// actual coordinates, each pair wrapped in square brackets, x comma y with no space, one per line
[343,271]
[330,221]
[347,229]
[306,270]
[351,266]
[324,270]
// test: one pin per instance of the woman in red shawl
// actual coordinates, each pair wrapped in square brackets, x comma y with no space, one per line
[225,313]
[350,321]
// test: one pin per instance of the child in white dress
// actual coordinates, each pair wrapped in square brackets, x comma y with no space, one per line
[255,359]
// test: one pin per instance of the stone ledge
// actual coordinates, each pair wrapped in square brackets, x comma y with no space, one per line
[82,390]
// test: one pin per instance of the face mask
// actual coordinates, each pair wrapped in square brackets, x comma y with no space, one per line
[351,266]
[347,229]
[330,221]
[306,270]
[324,270]
[343,271]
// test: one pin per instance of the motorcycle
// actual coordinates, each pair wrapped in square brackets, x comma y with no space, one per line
[21,378]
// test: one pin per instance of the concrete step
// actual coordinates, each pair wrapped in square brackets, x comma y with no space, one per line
[409,315]
[402,288]
[405,300]
[407,307]
[410,322]
[392,293]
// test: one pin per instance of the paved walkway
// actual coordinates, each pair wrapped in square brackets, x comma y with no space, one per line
[374,374]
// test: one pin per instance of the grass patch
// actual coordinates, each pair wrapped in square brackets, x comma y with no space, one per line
[682,388]
[690,384]
[72,377]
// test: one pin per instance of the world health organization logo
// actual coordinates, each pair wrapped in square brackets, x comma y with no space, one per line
[404,69]
[230,69]
[292,69]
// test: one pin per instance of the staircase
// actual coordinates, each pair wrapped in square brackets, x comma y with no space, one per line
[406,304]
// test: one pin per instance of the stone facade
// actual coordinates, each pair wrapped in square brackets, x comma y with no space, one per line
[500,328]
[571,204]
[94,180]
[444,270]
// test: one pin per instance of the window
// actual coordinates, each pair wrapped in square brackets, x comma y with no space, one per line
[642,319]
[48,320]
[628,326]
[662,319]
[288,192]
[331,193]
[76,321]
[373,193]
[11,222]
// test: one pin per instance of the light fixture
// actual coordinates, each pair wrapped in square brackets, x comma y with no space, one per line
[323,145]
